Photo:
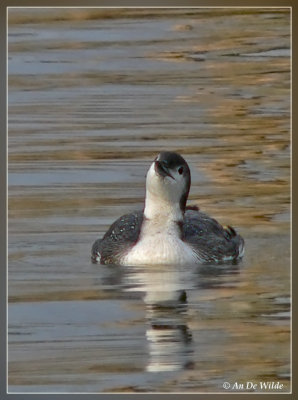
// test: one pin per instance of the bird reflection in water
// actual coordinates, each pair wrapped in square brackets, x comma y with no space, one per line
[168,335]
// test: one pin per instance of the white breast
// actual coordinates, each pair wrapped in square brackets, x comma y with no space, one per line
[160,244]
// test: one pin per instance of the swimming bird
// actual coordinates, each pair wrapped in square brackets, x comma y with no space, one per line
[166,231]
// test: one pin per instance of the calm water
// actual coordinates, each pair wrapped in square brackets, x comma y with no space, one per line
[94,96]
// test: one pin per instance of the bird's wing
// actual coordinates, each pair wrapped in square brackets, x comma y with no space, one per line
[210,240]
[121,235]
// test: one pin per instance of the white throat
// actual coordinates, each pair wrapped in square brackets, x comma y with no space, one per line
[162,198]
[161,209]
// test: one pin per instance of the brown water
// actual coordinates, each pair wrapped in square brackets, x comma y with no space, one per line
[94,96]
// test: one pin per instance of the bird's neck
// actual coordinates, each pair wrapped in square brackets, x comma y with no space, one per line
[163,210]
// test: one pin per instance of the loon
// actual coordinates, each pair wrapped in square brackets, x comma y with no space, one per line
[167,231]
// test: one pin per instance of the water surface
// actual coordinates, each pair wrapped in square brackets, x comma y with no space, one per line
[94,96]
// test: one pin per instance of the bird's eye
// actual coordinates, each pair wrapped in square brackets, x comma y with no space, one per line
[180,170]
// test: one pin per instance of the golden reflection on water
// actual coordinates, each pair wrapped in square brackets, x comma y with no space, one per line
[94,95]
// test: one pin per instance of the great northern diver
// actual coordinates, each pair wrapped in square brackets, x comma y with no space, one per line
[167,231]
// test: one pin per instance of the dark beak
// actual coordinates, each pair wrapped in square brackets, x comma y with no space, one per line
[162,169]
